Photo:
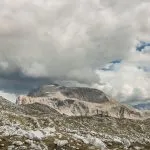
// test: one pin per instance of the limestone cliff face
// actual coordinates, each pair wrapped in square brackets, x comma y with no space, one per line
[61,92]
[78,101]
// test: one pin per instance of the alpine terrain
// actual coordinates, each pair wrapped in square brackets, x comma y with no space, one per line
[54,117]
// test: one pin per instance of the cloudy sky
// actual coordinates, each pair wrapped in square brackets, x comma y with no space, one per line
[98,43]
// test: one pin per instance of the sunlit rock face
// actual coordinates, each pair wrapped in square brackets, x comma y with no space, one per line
[78,101]
[61,92]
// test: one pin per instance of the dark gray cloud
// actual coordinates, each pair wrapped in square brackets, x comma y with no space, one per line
[49,41]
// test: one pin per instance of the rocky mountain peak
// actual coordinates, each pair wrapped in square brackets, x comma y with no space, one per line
[78,101]
[80,93]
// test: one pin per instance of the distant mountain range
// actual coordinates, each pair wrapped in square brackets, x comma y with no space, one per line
[142,106]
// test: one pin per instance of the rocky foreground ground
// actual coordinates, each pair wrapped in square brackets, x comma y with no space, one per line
[39,127]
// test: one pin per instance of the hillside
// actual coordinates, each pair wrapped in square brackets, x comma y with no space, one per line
[40,127]
[78,101]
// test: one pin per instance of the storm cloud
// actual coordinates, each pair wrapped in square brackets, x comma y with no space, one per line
[49,41]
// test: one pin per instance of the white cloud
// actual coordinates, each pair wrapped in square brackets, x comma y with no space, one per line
[70,40]
[128,82]
[8,96]
[146,49]
[49,38]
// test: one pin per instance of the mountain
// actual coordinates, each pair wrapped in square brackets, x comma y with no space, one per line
[142,106]
[78,101]
[35,126]
[61,92]
[6,105]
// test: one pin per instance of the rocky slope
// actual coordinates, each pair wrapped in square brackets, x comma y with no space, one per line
[39,127]
[77,101]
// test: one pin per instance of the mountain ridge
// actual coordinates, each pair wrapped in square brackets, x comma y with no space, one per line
[40,127]
[78,101]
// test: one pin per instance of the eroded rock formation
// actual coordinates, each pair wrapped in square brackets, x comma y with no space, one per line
[76,101]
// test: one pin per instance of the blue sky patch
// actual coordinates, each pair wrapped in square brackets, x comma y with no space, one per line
[111,66]
[116,61]
[142,45]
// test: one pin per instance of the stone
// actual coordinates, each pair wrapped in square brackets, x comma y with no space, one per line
[60,142]
[17,143]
